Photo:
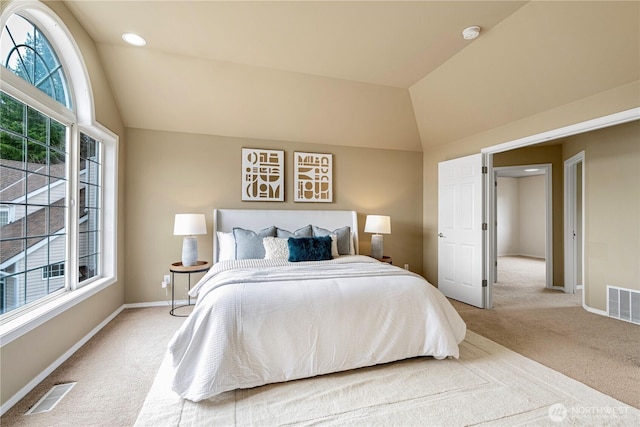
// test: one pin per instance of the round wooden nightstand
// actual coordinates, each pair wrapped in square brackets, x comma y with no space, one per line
[386,259]
[177,267]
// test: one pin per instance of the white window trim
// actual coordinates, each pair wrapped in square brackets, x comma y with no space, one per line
[48,272]
[11,213]
[78,78]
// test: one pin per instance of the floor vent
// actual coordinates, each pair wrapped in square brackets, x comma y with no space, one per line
[51,399]
[623,304]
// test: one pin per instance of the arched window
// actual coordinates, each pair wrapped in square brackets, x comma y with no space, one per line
[57,171]
[26,52]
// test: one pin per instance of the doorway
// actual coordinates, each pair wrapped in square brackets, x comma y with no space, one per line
[523,209]
[544,137]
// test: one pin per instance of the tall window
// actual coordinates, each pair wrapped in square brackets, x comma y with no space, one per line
[51,176]
[34,182]
[90,207]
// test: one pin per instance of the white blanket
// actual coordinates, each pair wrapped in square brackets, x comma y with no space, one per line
[263,321]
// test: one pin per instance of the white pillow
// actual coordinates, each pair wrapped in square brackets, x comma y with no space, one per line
[276,248]
[334,246]
[352,246]
[226,246]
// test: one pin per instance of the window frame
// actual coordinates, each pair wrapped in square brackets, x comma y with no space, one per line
[24,319]
[10,211]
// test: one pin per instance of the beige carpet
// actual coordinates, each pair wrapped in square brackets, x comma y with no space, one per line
[114,371]
[552,328]
[489,385]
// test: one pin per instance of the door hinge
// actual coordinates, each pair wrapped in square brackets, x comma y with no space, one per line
[484,283]
[485,169]
[484,226]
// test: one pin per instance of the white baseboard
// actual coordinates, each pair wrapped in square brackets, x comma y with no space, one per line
[595,310]
[157,304]
[149,304]
[44,374]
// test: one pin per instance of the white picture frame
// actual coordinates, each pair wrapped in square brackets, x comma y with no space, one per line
[262,175]
[313,174]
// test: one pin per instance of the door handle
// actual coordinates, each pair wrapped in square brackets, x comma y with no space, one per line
[442,236]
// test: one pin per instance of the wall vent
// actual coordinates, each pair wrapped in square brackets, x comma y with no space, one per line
[51,399]
[623,304]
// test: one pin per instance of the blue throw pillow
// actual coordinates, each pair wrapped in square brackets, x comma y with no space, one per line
[310,249]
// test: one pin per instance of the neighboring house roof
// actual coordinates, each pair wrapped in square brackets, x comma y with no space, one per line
[12,187]
[37,225]
[12,184]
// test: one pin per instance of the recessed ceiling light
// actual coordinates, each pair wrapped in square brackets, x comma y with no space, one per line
[531,170]
[471,33]
[133,39]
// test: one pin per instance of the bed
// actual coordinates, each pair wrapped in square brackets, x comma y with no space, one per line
[268,317]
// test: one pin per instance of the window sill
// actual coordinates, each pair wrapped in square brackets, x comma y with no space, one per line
[16,328]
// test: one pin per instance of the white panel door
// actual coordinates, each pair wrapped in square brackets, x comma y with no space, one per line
[460,243]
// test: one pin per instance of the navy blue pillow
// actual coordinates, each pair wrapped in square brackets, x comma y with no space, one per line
[309,248]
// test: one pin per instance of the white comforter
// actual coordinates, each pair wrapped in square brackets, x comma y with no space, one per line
[264,321]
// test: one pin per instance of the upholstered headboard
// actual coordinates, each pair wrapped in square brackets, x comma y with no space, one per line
[257,219]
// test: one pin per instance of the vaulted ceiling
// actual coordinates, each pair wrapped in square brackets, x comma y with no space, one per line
[394,75]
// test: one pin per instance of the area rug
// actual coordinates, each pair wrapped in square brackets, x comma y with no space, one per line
[488,385]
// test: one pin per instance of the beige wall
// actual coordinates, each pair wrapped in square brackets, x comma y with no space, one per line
[540,155]
[227,98]
[169,173]
[507,217]
[532,216]
[612,208]
[521,216]
[19,361]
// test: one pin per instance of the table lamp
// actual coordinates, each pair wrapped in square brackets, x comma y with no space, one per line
[378,224]
[189,225]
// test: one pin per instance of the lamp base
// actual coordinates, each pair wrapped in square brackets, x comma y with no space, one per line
[376,246]
[189,251]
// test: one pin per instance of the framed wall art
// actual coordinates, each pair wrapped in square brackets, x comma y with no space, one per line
[313,173]
[262,175]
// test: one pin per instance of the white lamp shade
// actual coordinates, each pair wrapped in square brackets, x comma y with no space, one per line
[379,224]
[189,225]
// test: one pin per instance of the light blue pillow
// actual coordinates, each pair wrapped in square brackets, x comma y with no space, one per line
[343,234]
[249,243]
[305,231]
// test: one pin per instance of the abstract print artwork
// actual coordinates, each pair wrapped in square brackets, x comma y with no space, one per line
[262,175]
[313,176]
